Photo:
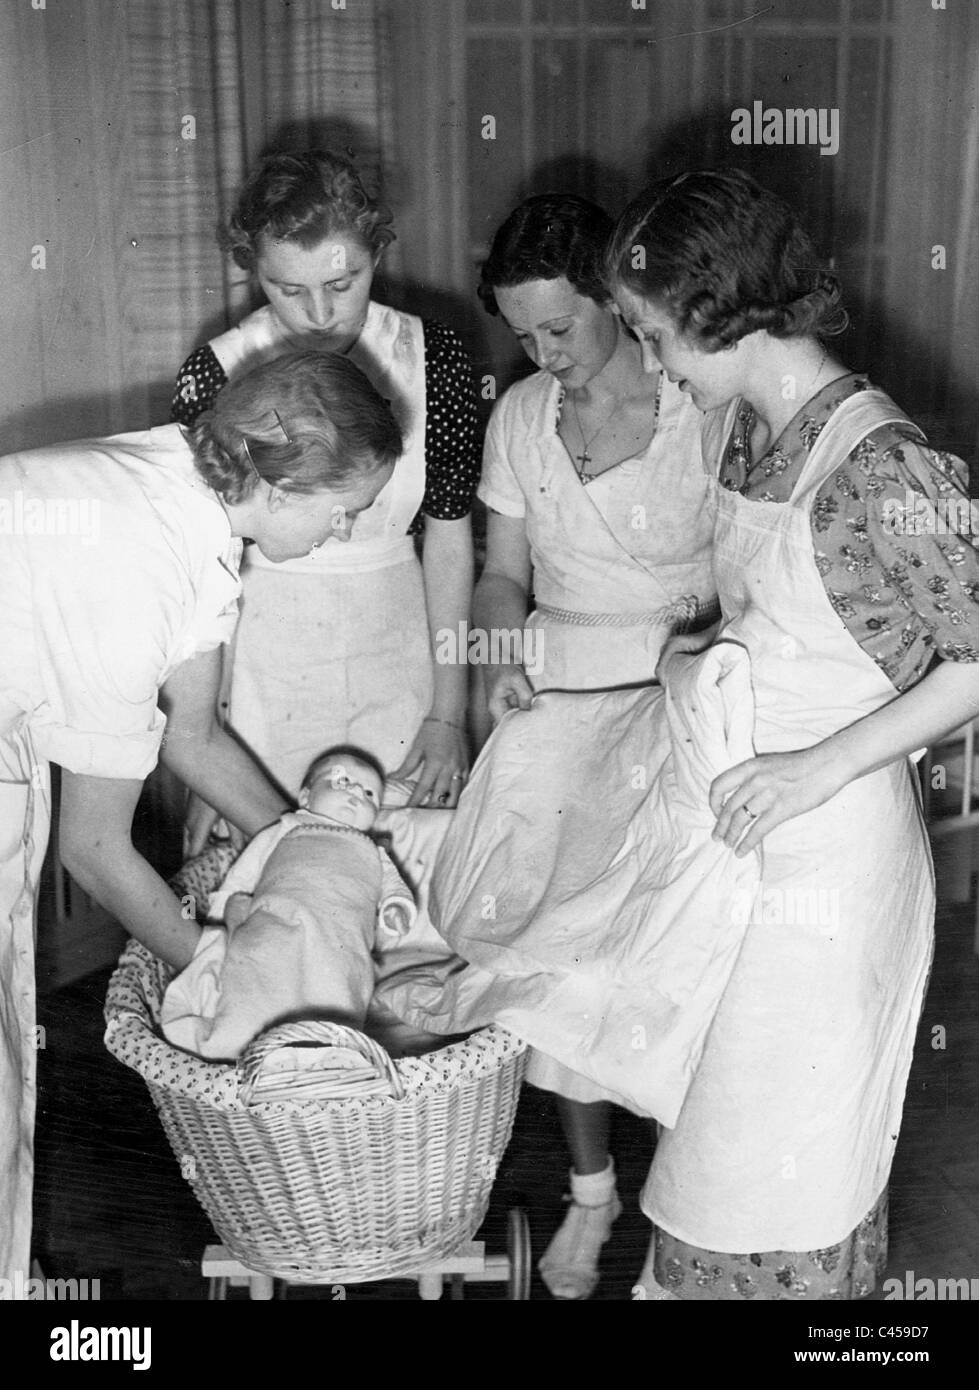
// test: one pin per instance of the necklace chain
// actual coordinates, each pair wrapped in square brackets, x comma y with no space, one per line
[584,458]
[748,461]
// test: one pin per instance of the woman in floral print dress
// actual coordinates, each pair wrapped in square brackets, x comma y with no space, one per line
[863,641]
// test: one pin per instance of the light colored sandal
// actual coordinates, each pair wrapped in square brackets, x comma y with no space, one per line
[569,1265]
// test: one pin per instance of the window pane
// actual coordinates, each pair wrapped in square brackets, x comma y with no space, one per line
[813,11]
[862,122]
[495,164]
[870,10]
[558,135]
[493,11]
[617,12]
[620,119]
[555,11]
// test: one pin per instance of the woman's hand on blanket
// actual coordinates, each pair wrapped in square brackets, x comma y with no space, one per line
[754,797]
[507,687]
[441,752]
[685,644]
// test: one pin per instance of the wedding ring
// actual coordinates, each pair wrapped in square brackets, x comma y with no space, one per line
[752,815]
[458,777]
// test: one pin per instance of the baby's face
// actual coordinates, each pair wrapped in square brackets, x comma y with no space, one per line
[346,790]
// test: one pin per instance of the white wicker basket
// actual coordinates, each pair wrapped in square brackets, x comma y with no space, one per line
[392,1173]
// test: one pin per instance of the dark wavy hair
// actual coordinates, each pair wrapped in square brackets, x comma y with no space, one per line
[726,257]
[544,238]
[304,197]
[304,422]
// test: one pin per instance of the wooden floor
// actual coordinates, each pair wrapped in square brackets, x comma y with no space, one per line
[110,1203]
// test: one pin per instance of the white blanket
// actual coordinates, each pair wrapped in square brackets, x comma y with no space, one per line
[581,842]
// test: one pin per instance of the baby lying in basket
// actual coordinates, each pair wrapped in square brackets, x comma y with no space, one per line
[307,907]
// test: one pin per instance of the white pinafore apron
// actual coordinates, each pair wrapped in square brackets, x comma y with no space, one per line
[25,818]
[787,1133]
[622,563]
[335,647]
[642,530]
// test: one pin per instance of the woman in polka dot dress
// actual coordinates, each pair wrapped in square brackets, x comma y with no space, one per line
[337,647]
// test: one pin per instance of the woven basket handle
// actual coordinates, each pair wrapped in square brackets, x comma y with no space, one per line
[323,1034]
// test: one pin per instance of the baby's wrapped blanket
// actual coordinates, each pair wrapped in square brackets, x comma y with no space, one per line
[304,951]
[580,880]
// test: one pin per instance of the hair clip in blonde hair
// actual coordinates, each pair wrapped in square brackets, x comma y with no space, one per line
[282,429]
[249,460]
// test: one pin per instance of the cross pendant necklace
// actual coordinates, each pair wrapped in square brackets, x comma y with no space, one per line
[584,458]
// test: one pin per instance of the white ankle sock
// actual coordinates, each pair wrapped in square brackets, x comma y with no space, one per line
[593,1189]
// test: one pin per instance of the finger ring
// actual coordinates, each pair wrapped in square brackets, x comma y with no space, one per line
[443,798]
[752,815]
[458,777]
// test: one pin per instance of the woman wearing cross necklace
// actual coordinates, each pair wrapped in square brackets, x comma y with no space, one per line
[592,478]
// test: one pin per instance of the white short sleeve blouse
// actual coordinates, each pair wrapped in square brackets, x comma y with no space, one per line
[117,563]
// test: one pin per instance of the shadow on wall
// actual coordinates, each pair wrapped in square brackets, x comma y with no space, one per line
[604,184]
[83,417]
[342,136]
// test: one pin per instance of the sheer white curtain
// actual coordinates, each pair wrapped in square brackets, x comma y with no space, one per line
[187,151]
[125,126]
[248,75]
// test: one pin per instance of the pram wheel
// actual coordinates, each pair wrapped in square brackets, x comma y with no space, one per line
[518,1253]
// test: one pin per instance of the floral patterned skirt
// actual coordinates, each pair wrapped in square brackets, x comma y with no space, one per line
[847,1270]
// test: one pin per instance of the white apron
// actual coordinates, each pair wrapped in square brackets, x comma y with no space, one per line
[610,544]
[601,919]
[25,818]
[622,563]
[335,647]
[787,1134]
[618,565]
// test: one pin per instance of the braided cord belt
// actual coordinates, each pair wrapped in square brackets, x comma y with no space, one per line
[679,615]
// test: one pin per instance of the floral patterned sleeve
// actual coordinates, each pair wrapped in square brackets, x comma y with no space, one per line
[198,382]
[896,550]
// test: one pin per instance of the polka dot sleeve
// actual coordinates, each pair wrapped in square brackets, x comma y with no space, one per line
[198,382]
[451,459]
